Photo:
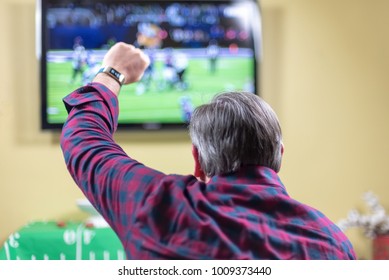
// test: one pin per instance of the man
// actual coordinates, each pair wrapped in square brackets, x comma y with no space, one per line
[213,52]
[236,209]
[79,58]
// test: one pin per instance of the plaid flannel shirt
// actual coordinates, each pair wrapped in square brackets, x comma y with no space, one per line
[243,215]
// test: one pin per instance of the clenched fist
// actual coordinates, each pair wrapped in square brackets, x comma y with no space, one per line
[126,59]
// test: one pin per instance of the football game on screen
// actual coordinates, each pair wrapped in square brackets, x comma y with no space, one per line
[196,50]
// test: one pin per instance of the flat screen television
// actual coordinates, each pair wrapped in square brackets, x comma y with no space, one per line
[197,49]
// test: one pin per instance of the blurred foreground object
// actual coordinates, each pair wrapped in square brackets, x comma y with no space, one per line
[375,225]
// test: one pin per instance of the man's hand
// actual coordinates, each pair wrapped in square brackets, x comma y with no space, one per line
[128,60]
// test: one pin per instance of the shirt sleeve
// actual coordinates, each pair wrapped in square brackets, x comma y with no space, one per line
[108,177]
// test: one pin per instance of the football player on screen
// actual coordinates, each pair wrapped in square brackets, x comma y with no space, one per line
[79,58]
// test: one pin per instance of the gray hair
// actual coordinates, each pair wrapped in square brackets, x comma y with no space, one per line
[233,130]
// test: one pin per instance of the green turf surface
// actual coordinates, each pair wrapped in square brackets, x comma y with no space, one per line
[158,104]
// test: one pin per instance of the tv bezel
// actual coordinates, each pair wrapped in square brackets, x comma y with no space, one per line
[41,51]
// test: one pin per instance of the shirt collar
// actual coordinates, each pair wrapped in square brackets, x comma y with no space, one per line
[251,176]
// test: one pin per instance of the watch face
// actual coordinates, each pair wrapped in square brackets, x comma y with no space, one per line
[115,73]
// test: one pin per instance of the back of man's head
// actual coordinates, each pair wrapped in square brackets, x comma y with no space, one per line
[233,130]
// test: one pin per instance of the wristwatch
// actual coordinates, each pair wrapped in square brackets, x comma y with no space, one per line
[119,77]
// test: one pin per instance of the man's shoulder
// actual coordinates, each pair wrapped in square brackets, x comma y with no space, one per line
[326,239]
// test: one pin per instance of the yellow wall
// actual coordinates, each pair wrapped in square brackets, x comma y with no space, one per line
[324,71]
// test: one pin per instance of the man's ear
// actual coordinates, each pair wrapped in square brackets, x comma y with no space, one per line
[198,171]
[282,154]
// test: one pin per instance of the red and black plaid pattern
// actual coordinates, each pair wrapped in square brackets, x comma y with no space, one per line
[243,215]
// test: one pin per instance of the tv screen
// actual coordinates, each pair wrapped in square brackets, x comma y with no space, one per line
[197,49]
